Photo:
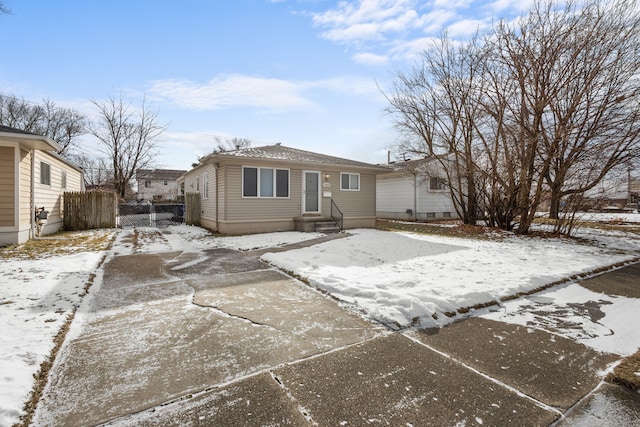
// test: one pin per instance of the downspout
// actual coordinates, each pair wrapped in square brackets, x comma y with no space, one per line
[32,201]
[415,196]
[215,166]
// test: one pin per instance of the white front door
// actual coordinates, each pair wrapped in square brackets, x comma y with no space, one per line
[310,192]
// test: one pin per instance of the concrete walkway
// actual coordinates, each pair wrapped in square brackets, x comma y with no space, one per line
[219,338]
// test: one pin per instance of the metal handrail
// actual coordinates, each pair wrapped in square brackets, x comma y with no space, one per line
[337,218]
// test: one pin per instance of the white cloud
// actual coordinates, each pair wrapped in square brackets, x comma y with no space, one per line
[370,59]
[239,91]
[232,91]
[366,21]
[378,29]
[466,28]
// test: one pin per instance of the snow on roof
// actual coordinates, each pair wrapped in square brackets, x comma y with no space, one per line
[281,152]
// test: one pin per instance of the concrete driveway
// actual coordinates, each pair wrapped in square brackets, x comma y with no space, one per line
[217,337]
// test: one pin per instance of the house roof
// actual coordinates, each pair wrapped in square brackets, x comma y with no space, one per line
[409,165]
[159,174]
[32,141]
[281,152]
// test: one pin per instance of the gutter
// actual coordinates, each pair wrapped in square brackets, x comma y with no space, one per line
[32,201]
[216,166]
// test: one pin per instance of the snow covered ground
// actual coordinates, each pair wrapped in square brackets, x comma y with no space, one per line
[400,279]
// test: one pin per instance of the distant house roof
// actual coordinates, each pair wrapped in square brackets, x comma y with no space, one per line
[281,152]
[159,174]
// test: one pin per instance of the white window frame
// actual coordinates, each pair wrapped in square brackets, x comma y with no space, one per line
[350,174]
[440,184]
[46,169]
[205,186]
[274,183]
[63,179]
[197,184]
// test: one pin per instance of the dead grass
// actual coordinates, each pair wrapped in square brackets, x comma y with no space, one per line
[627,373]
[452,228]
[63,243]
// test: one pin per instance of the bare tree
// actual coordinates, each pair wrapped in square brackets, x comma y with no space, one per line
[545,105]
[437,118]
[97,171]
[232,144]
[4,9]
[62,125]
[128,137]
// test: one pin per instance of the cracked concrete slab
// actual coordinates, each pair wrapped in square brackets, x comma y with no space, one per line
[256,401]
[609,405]
[550,368]
[155,333]
[393,380]
[273,299]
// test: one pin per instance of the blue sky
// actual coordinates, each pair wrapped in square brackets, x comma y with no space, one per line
[306,73]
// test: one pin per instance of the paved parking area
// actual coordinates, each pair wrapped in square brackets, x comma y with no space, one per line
[218,337]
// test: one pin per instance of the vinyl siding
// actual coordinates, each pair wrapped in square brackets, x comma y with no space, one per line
[50,196]
[394,195]
[7,187]
[238,208]
[397,192]
[25,189]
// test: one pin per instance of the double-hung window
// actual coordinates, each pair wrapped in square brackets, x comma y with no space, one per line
[436,183]
[349,181]
[45,173]
[265,182]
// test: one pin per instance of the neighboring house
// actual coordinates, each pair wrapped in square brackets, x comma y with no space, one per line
[158,184]
[277,188]
[414,190]
[32,176]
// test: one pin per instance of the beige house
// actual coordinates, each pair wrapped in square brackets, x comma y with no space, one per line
[158,184]
[277,188]
[32,176]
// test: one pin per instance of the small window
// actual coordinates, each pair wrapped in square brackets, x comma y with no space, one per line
[147,183]
[265,182]
[446,214]
[45,173]
[436,183]
[431,215]
[165,182]
[350,181]
[197,184]
[205,185]
[63,179]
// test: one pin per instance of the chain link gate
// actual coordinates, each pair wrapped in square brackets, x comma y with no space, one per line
[149,215]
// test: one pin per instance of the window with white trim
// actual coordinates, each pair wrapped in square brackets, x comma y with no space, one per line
[147,183]
[63,179]
[265,182]
[45,173]
[205,185]
[436,183]
[349,181]
[197,184]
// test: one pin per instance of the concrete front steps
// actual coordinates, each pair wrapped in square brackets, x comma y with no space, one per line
[319,224]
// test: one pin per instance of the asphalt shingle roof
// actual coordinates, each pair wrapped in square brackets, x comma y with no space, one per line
[159,174]
[281,152]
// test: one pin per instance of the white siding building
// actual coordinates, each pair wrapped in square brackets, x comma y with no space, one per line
[159,185]
[413,190]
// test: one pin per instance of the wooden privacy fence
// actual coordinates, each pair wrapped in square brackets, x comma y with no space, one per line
[192,208]
[93,209]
